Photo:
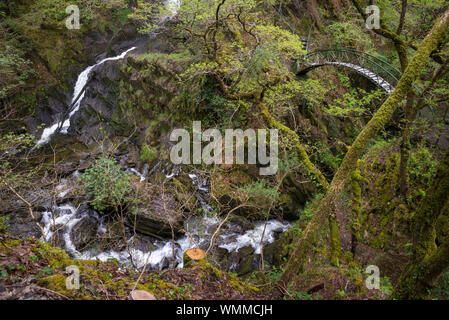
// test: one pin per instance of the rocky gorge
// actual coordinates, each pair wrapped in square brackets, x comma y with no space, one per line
[172,221]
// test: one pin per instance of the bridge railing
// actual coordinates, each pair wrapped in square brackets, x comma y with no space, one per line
[377,66]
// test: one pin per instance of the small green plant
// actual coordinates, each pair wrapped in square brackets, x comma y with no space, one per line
[148,154]
[4,225]
[47,270]
[442,287]
[298,295]
[385,286]
[422,166]
[107,184]
[341,293]
[4,274]
[274,274]
[260,193]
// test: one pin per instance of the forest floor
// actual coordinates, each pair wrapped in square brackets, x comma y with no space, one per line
[29,270]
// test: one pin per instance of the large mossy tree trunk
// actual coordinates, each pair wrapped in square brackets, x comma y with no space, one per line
[427,262]
[381,117]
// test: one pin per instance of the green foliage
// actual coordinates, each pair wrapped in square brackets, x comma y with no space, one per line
[422,166]
[259,193]
[148,154]
[284,97]
[379,144]
[14,71]
[274,274]
[306,214]
[350,34]
[147,14]
[421,15]
[300,295]
[324,155]
[213,104]
[10,145]
[242,47]
[356,102]
[4,225]
[107,184]
[13,143]
[442,286]
[385,286]
[47,270]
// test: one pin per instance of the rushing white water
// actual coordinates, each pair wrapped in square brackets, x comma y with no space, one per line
[80,83]
[160,256]
[137,173]
[253,237]
[173,6]
[200,229]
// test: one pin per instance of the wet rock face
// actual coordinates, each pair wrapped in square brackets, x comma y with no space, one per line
[98,106]
[84,232]
[91,47]
[240,261]
[51,106]
[21,224]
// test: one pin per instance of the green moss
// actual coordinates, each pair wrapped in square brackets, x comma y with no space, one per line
[234,282]
[56,256]
[296,146]
[335,241]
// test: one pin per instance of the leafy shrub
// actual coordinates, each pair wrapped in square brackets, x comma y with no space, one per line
[148,154]
[14,71]
[422,166]
[348,34]
[259,194]
[107,184]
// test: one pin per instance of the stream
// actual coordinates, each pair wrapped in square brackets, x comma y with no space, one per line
[200,228]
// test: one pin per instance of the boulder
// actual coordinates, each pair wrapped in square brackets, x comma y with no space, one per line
[240,261]
[158,213]
[21,224]
[84,232]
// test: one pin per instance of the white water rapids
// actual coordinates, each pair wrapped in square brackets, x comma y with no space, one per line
[64,217]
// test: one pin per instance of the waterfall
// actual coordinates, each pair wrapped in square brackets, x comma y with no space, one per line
[80,83]
[173,6]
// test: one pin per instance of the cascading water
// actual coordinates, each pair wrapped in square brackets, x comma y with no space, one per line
[80,83]
[173,6]
[200,229]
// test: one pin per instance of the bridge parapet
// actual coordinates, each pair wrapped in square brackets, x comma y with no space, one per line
[378,70]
